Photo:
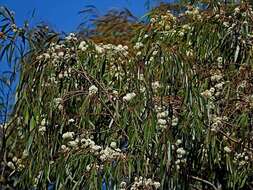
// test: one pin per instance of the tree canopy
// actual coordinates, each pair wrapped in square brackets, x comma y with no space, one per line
[163,103]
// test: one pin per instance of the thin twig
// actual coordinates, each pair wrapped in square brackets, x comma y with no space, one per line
[204,181]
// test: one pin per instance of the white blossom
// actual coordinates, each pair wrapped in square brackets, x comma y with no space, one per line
[93,90]
[157,185]
[113,144]
[174,121]
[11,165]
[68,135]
[42,129]
[162,114]
[43,122]
[71,120]
[161,121]
[72,144]
[14,159]
[216,77]
[129,96]
[206,94]
[178,142]
[181,151]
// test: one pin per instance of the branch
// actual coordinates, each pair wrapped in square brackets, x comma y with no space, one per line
[204,181]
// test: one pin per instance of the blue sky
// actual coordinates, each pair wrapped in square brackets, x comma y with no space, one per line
[63,15]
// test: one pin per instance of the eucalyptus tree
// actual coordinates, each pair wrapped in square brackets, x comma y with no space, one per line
[166,106]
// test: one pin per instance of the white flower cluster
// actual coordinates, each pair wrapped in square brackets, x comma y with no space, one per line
[14,163]
[129,96]
[163,118]
[250,100]
[123,186]
[193,13]
[218,84]
[110,48]
[88,143]
[71,37]
[71,142]
[57,53]
[208,93]
[237,10]
[71,120]
[52,80]
[156,86]
[166,20]
[58,103]
[42,127]
[242,159]
[65,74]
[217,122]
[11,165]
[68,135]
[181,153]
[184,30]
[216,77]
[93,90]
[142,183]
[14,28]
[117,49]
[138,46]
[83,46]
[109,153]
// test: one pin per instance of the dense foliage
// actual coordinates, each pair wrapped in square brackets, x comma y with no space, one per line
[169,107]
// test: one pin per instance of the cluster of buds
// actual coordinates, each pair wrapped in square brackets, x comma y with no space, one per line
[68,137]
[138,47]
[156,86]
[93,90]
[111,49]
[181,153]
[83,46]
[129,96]
[110,153]
[58,103]
[71,37]
[208,93]
[194,13]
[243,158]
[216,122]
[14,162]
[162,117]
[57,52]
[218,84]
[142,183]
[165,21]
[42,127]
